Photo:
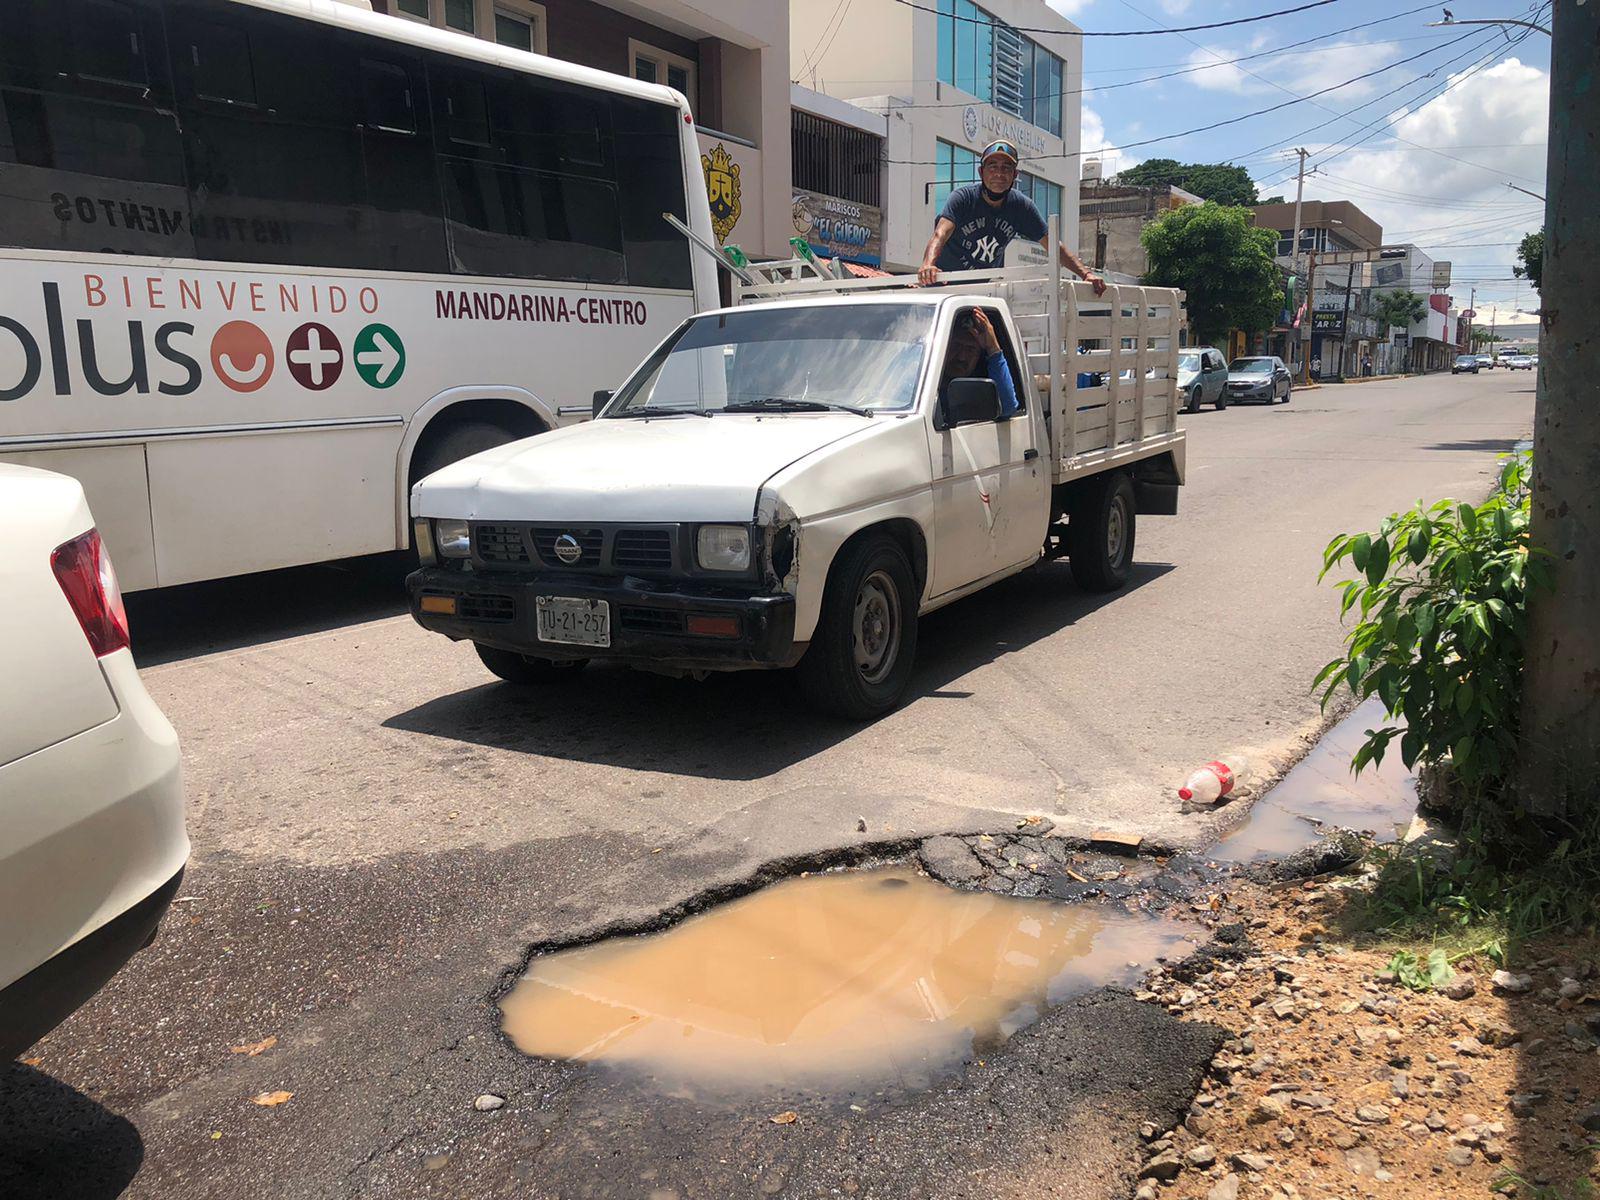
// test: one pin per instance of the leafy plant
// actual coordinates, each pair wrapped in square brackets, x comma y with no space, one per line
[1422,976]
[1530,258]
[1224,265]
[1222,182]
[1441,601]
[1398,307]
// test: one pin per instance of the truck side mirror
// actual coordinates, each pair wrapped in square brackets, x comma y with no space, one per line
[601,399]
[971,402]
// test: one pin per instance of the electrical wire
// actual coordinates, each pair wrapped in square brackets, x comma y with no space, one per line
[1282,12]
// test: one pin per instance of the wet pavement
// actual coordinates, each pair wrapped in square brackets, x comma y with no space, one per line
[1320,793]
[839,984]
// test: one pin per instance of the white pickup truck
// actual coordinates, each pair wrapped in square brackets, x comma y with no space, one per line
[793,481]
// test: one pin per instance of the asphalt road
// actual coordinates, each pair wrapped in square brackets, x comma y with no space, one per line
[381,832]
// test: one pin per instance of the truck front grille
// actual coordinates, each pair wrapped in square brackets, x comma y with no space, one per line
[500,543]
[642,550]
[486,606]
[589,542]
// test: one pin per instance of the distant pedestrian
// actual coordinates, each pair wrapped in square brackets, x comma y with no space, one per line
[1316,367]
[1366,365]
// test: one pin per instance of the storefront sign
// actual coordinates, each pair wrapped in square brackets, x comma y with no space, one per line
[983,124]
[1327,322]
[1441,274]
[837,228]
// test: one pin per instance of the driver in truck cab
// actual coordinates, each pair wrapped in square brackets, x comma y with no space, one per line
[975,353]
[979,220]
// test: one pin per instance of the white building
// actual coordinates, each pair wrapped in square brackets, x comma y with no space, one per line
[946,83]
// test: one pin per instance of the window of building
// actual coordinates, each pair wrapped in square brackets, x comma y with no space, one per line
[988,59]
[835,159]
[1046,196]
[516,23]
[653,65]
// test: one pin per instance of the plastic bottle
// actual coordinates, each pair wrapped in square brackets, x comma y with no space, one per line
[1213,781]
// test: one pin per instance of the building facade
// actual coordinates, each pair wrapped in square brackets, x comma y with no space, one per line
[1111,217]
[730,59]
[947,78]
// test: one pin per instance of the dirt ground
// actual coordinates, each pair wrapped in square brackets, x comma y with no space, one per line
[1340,1083]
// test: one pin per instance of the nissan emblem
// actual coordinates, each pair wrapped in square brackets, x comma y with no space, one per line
[568,550]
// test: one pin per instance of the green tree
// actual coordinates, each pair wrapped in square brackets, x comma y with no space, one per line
[1530,258]
[1222,182]
[1222,262]
[1398,307]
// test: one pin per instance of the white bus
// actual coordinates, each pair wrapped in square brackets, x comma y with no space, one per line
[263,263]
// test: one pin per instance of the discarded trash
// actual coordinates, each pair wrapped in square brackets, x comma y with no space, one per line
[836,983]
[272,1099]
[785,1118]
[488,1102]
[1214,780]
[255,1048]
[1118,841]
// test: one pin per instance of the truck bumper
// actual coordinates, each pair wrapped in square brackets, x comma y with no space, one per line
[649,621]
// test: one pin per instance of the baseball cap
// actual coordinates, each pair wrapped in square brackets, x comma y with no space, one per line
[1001,147]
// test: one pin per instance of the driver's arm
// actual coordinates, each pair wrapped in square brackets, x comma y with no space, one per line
[943,229]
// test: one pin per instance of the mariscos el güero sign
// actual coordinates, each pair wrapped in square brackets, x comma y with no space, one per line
[836,228]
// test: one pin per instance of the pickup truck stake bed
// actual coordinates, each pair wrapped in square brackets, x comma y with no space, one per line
[793,481]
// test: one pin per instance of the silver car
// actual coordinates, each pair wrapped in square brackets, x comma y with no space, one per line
[1202,378]
[1263,378]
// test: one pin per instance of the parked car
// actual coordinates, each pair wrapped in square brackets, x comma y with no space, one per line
[1488,362]
[1518,362]
[1465,363]
[1264,378]
[92,842]
[1202,378]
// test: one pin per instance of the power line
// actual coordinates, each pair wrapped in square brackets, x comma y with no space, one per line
[1282,12]
[1293,100]
[1190,68]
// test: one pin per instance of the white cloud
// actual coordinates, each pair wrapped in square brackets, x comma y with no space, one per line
[1175,8]
[1069,8]
[1094,144]
[1302,72]
[1435,197]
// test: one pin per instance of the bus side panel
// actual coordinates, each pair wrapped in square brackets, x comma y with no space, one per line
[315,496]
[114,482]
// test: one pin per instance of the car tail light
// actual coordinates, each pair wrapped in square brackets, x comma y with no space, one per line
[84,571]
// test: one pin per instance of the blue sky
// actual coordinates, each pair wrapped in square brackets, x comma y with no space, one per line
[1427,157]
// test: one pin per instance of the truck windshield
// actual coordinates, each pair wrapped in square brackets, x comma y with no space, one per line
[800,358]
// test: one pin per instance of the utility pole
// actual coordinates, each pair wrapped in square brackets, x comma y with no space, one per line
[1305,327]
[1294,246]
[1561,685]
[1472,338]
[1344,324]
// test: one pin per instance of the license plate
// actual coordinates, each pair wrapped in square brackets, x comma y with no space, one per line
[573,621]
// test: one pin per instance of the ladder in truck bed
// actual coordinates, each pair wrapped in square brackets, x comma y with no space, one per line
[1104,367]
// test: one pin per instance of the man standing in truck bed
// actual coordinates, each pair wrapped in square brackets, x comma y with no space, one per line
[980,219]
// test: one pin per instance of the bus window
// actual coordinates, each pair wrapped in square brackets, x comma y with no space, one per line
[220,58]
[462,111]
[509,221]
[404,222]
[390,106]
[649,161]
[90,159]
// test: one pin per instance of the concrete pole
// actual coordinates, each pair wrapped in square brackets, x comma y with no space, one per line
[1294,246]
[1344,326]
[1561,690]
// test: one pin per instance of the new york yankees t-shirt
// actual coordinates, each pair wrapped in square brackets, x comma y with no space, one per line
[983,231]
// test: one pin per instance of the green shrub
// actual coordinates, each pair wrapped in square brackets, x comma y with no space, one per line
[1440,638]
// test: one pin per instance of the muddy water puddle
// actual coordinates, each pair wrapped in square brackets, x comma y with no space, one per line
[1320,793]
[837,983]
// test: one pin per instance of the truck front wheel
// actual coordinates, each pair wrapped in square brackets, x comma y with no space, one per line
[861,656]
[519,668]
[1100,533]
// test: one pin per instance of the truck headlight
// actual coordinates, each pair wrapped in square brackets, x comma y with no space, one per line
[723,547]
[452,539]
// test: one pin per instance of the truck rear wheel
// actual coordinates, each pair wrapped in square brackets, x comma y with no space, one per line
[1100,533]
[520,669]
[865,645]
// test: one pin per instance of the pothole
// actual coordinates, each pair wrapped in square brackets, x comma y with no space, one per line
[838,983]
[1320,793]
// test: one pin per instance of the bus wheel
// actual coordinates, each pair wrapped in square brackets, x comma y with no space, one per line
[460,440]
[519,668]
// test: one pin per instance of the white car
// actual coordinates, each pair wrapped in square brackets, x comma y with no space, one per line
[1517,362]
[92,840]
